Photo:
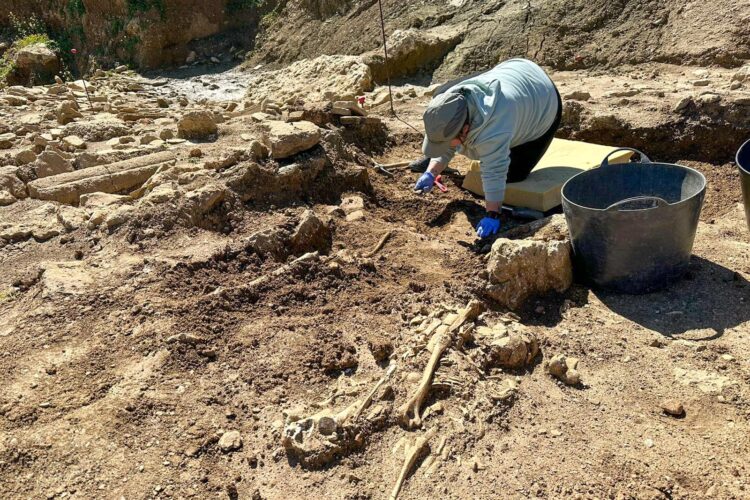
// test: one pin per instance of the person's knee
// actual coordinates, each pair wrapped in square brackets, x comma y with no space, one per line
[517,177]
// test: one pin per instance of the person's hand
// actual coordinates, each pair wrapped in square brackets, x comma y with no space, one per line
[488,226]
[425,183]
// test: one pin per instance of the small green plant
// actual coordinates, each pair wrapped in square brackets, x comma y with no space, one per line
[21,28]
[116,26]
[34,39]
[7,295]
[269,20]
[76,8]
[6,68]
[130,44]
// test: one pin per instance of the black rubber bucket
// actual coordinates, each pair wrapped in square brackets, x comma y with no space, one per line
[743,162]
[633,225]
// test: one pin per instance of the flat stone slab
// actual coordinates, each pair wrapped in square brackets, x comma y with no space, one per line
[287,139]
[541,189]
[113,178]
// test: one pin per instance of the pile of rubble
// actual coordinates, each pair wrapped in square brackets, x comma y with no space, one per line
[119,147]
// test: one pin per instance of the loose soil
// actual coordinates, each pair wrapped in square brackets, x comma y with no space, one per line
[101,397]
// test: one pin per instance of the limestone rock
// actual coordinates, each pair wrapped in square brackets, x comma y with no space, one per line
[257,150]
[36,63]
[10,183]
[51,163]
[519,269]
[40,223]
[325,78]
[25,157]
[98,200]
[200,201]
[311,235]
[7,140]
[512,349]
[66,112]
[96,130]
[564,369]
[199,125]
[230,441]
[412,50]
[73,142]
[352,204]
[6,198]
[14,100]
[742,75]
[162,193]
[71,217]
[119,216]
[271,242]
[112,178]
[683,104]
[287,139]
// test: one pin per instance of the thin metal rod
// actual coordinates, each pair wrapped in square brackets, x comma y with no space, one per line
[83,79]
[388,69]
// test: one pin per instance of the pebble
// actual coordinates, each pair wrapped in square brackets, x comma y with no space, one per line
[683,104]
[673,407]
[230,441]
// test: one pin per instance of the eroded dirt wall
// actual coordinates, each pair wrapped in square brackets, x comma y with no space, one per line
[147,33]
[563,34]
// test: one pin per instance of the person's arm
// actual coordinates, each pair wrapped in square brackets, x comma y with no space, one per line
[495,160]
[436,166]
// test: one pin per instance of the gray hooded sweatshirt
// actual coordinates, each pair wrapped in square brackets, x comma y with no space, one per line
[512,104]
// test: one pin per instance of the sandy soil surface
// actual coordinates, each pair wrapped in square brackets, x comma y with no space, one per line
[128,357]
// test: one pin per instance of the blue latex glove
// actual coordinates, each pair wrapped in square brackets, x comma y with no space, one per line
[425,183]
[487,227]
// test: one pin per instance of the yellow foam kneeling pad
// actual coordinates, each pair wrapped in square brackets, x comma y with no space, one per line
[541,189]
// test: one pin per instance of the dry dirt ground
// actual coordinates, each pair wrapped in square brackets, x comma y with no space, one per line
[128,356]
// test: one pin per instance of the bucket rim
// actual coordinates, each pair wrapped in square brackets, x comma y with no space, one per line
[699,192]
[737,157]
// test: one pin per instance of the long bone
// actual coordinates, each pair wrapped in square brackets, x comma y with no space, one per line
[411,411]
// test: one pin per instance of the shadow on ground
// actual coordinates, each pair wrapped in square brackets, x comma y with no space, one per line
[709,300]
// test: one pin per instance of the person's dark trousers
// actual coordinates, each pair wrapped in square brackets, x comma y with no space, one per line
[524,157]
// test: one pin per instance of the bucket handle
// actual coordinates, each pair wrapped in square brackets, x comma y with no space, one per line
[644,158]
[660,202]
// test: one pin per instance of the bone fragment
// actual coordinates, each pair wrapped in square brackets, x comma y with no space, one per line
[379,246]
[411,411]
[412,454]
[368,399]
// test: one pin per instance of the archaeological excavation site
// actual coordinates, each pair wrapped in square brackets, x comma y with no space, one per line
[238,258]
